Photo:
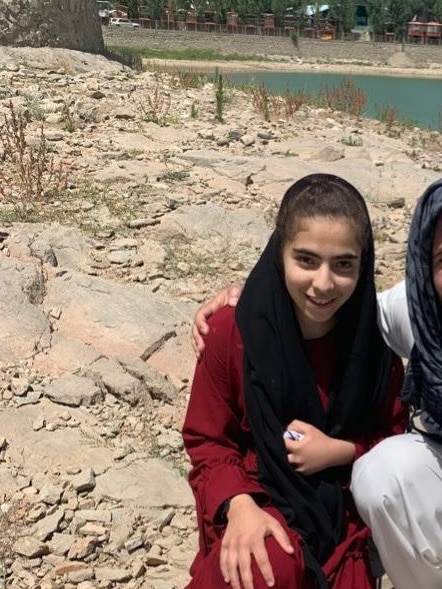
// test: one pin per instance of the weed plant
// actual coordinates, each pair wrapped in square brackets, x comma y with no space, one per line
[220,98]
[260,101]
[157,107]
[29,176]
[293,102]
[388,115]
[352,141]
[346,98]
[193,111]
[190,79]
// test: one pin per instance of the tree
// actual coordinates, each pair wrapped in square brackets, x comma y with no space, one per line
[378,16]
[133,9]
[400,12]
[343,12]
[437,10]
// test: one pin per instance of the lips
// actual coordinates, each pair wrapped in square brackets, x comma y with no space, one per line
[321,303]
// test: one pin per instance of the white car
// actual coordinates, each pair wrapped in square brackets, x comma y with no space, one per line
[123,22]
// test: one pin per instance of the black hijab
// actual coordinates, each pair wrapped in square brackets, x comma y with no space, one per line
[280,386]
[423,384]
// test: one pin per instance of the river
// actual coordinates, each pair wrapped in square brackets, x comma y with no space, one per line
[417,101]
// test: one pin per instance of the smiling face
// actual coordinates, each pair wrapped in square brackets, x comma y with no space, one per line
[321,270]
[437,258]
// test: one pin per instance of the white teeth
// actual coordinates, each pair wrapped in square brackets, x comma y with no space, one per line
[316,302]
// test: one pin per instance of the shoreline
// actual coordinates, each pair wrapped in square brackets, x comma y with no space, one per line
[295,66]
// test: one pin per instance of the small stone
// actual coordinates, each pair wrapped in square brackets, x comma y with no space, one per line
[30,547]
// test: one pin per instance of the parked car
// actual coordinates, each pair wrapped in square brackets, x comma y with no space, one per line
[123,22]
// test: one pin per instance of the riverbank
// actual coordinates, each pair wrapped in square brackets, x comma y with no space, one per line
[261,52]
[293,66]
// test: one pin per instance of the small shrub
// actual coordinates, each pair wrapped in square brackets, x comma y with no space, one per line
[29,176]
[70,124]
[193,111]
[346,98]
[260,100]
[388,115]
[352,141]
[157,108]
[190,79]
[293,102]
[294,37]
[220,98]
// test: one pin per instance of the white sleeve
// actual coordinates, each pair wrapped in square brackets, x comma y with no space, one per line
[394,321]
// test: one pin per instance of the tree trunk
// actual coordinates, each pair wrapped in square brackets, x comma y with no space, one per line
[71,24]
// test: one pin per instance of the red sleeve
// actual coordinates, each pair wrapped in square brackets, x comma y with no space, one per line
[215,432]
[393,418]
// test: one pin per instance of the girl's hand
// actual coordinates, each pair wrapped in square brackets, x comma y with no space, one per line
[227,296]
[316,451]
[248,526]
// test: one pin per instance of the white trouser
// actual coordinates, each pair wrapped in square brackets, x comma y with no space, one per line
[397,487]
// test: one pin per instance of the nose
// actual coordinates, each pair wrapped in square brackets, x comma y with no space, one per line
[323,279]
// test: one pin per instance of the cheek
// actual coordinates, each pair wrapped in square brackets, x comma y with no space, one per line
[437,279]
[349,285]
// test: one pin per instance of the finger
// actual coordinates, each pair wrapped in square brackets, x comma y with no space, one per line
[282,538]
[245,569]
[232,300]
[234,291]
[197,343]
[300,426]
[263,563]
[201,317]
[233,574]
[223,564]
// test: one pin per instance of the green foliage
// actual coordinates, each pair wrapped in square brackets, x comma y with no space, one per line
[193,111]
[127,55]
[343,13]
[220,98]
[400,12]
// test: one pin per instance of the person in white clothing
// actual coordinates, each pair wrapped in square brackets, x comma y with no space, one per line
[397,486]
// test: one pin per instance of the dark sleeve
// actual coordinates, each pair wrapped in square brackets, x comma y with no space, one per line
[215,431]
[393,417]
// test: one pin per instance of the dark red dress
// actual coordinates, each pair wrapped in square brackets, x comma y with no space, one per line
[219,442]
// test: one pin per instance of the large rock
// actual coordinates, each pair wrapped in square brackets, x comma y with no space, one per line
[25,328]
[113,318]
[72,24]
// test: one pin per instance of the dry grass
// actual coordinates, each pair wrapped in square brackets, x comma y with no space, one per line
[29,177]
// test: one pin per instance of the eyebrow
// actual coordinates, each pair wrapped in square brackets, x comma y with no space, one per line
[307,252]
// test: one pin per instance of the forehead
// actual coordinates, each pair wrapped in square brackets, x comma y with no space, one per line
[324,232]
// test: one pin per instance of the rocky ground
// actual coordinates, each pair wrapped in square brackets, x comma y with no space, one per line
[151,204]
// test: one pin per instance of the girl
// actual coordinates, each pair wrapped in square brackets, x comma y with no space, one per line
[293,386]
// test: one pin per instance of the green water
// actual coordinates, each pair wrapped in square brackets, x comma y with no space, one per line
[415,99]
